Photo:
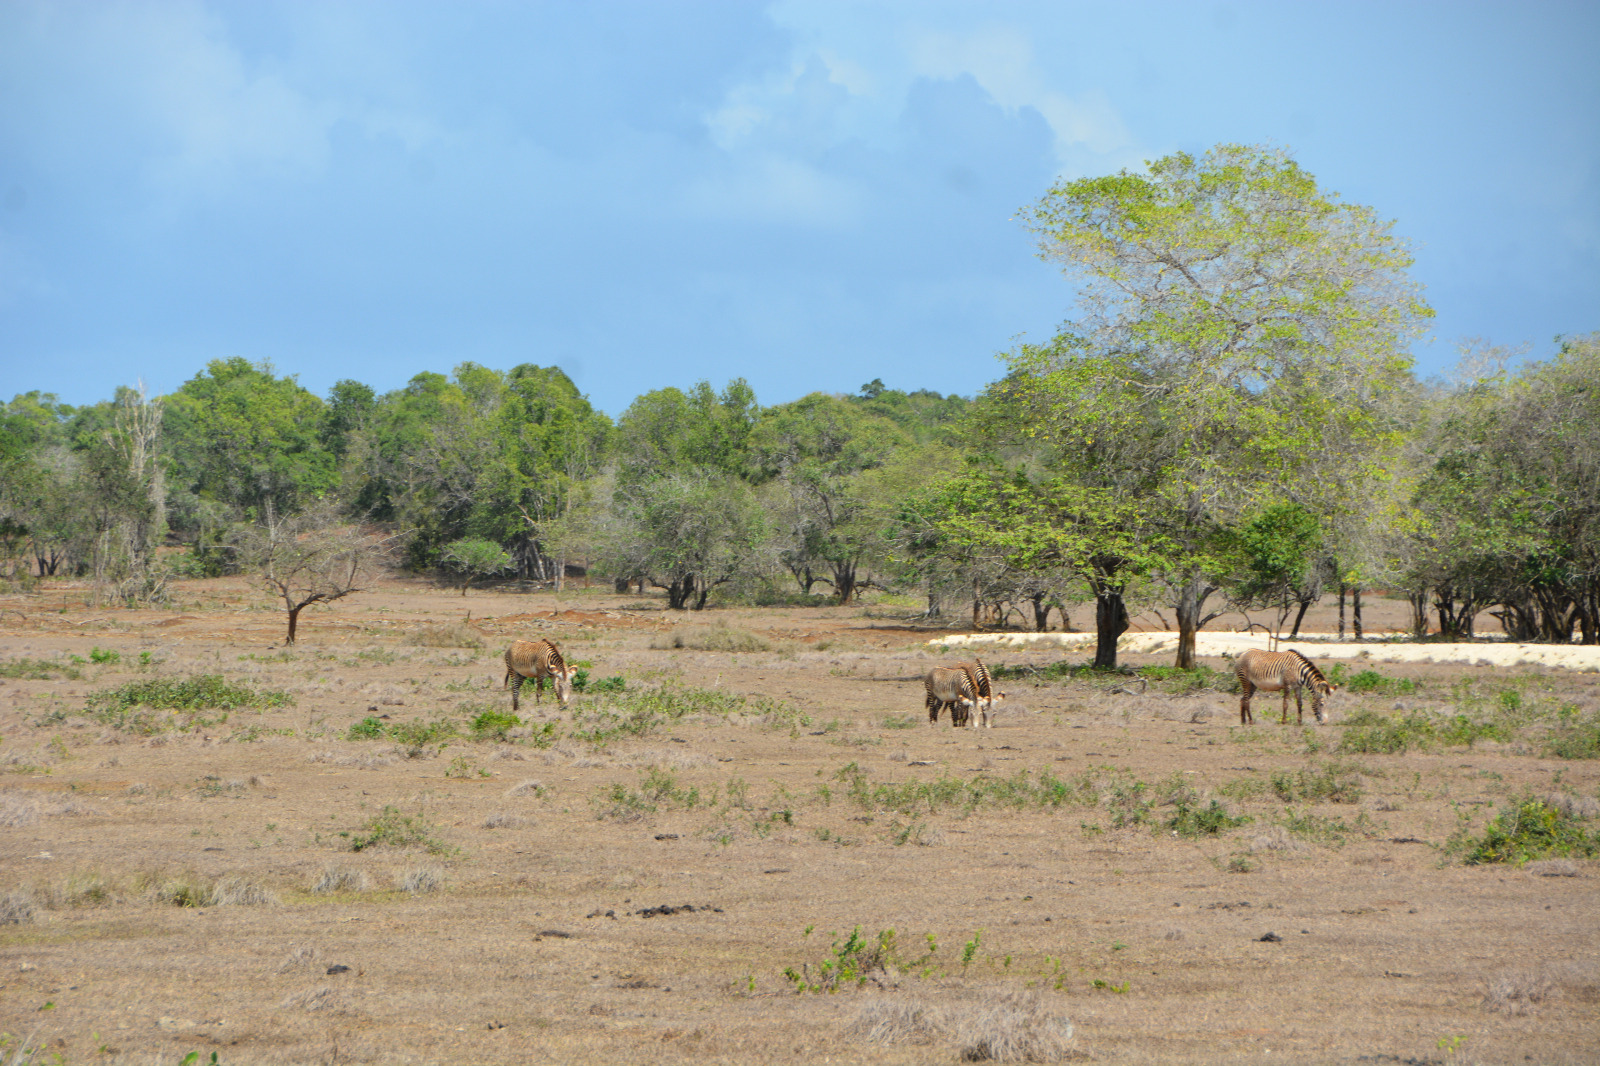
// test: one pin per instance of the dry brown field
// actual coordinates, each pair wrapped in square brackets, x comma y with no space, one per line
[628,881]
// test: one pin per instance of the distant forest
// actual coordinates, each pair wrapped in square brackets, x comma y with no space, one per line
[1231,421]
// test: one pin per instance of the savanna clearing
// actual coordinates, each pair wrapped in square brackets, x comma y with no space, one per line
[348,851]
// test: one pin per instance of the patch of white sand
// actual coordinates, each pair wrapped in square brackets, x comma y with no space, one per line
[1313,646]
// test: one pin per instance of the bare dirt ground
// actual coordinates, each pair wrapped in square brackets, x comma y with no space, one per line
[630,880]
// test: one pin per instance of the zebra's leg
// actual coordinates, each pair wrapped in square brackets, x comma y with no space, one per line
[1299,708]
[933,706]
[515,680]
[538,687]
[1284,719]
[1245,689]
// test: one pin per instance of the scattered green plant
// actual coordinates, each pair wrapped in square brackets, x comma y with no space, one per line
[1192,821]
[393,828]
[1524,830]
[854,960]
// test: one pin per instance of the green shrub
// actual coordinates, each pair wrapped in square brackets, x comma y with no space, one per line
[369,728]
[1331,783]
[494,725]
[1574,737]
[1525,830]
[853,961]
[1191,821]
[1371,733]
[1201,678]
[1370,682]
[204,691]
[37,670]
[609,684]
[393,828]
[104,655]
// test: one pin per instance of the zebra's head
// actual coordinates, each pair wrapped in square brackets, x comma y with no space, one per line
[563,679]
[1320,687]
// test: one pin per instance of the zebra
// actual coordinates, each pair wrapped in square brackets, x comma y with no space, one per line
[538,659]
[983,685]
[953,686]
[1271,671]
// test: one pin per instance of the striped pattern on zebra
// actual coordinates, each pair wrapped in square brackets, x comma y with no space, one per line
[983,685]
[949,686]
[538,659]
[1271,671]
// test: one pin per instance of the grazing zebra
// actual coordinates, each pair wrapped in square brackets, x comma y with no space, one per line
[983,685]
[953,686]
[538,659]
[1271,671]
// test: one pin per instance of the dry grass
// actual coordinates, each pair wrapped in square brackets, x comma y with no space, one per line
[1518,992]
[448,635]
[18,907]
[801,825]
[341,879]
[1002,1026]
[711,638]
[421,880]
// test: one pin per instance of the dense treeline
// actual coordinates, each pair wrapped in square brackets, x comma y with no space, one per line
[1230,421]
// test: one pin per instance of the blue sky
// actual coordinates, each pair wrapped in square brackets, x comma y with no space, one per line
[808,195]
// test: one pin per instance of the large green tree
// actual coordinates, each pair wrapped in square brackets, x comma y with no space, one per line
[1241,339]
[240,435]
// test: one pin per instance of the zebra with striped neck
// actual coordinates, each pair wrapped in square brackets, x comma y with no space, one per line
[538,659]
[983,686]
[952,687]
[1273,671]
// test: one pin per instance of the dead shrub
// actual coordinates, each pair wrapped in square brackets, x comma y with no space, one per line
[1573,806]
[1553,868]
[1172,934]
[17,811]
[341,879]
[1020,1027]
[895,1020]
[1009,1027]
[236,890]
[302,955]
[711,638]
[1518,992]
[524,788]
[311,1000]
[1276,838]
[18,907]
[449,635]
[421,880]
[503,820]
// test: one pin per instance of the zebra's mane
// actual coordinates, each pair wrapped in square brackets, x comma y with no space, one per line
[1309,665]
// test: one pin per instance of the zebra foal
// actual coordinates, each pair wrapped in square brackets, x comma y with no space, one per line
[538,659]
[1272,671]
[950,686]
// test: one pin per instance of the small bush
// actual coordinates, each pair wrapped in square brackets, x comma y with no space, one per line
[1331,783]
[37,670]
[128,707]
[1371,733]
[230,890]
[1210,820]
[17,907]
[421,880]
[341,879]
[1574,738]
[854,960]
[609,684]
[1525,830]
[1518,992]
[393,828]
[104,655]
[712,638]
[234,890]
[1370,682]
[1180,682]
[369,728]
[494,725]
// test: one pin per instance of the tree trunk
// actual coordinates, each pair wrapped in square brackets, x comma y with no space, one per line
[679,591]
[1110,622]
[1341,611]
[1041,613]
[1419,611]
[1355,610]
[623,585]
[294,620]
[844,581]
[1190,609]
[1305,605]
